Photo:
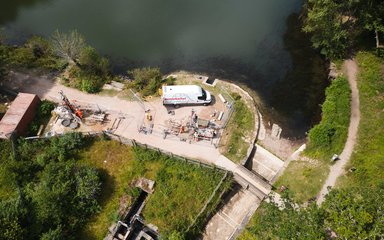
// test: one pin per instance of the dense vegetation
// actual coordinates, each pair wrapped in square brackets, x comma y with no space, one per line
[181,189]
[87,70]
[37,52]
[329,136]
[73,187]
[42,116]
[148,81]
[335,25]
[44,192]
[237,132]
[354,213]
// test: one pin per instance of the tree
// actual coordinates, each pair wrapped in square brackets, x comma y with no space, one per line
[65,195]
[371,17]
[39,46]
[331,24]
[12,213]
[287,222]
[93,63]
[356,213]
[53,234]
[68,45]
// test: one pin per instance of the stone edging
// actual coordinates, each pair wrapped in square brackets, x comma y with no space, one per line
[258,123]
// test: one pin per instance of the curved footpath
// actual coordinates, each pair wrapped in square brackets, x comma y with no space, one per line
[338,168]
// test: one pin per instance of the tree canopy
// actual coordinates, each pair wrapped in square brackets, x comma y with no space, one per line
[51,195]
[355,213]
[335,24]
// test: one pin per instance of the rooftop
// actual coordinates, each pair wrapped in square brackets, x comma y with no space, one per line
[15,114]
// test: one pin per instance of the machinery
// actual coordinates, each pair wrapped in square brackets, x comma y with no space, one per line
[73,108]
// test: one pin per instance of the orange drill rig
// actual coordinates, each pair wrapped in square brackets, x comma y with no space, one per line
[74,109]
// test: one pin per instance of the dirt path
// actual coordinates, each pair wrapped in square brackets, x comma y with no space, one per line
[338,168]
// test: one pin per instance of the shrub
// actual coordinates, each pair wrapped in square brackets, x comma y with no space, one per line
[92,63]
[42,116]
[329,136]
[147,81]
[35,53]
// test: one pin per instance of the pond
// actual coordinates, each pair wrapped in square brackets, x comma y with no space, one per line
[241,40]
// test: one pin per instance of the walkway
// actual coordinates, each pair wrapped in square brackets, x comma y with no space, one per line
[338,168]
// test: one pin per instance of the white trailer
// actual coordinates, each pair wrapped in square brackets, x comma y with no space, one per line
[185,94]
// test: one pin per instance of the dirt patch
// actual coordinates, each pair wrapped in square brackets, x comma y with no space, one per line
[283,148]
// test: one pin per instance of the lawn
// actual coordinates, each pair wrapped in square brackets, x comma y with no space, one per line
[181,189]
[368,157]
[303,179]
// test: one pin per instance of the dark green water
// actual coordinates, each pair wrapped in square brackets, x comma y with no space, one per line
[241,40]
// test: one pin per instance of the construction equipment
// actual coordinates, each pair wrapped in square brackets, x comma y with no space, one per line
[73,108]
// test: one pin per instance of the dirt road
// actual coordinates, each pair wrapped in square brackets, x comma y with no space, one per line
[338,168]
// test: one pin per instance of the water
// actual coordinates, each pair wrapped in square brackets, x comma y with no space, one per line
[241,40]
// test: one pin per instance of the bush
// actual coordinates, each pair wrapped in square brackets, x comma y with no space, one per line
[35,53]
[51,200]
[147,81]
[22,56]
[92,63]
[42,116]
[329,136]
[92,73]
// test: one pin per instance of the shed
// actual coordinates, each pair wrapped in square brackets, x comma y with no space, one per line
[19,115]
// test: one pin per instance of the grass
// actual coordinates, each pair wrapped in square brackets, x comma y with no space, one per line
[181,189]
[237,133]
[7,185]
[368,158]
[113,160]
[303,179]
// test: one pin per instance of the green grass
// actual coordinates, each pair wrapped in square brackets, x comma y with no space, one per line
[7,185]
[368,157]
[303,179]
[181,189]
[239,128]
[329,136]
[119,159]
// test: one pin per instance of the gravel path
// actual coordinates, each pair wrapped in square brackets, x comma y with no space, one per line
[338,168]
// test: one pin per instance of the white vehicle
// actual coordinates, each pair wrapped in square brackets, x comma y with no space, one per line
[185,94]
